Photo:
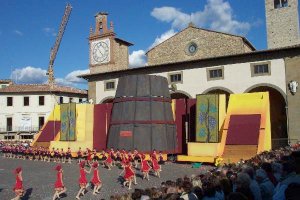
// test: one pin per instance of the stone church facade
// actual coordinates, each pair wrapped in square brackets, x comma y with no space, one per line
[199,61]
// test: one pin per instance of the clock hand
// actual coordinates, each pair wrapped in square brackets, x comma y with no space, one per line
[100,52]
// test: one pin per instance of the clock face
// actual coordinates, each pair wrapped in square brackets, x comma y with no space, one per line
[192,48]
[100,52]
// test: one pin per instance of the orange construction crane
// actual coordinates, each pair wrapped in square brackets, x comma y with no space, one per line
[54,49]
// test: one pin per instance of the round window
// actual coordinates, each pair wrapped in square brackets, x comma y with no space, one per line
[192,48]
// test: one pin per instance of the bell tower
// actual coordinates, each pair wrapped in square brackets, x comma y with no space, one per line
[107,53]
[282,23]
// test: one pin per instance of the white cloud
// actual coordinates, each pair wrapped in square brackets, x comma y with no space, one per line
[34,75]
[18,32]
[217,15]
[28,75]
[72,77]
[163,37]
[49,31]
[137,59]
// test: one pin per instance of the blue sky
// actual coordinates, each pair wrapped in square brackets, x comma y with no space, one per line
[28,29]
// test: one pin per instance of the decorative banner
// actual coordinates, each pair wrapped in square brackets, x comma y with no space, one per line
[207,118]
[72,122]
[64,120]
[25,123]
[68,122]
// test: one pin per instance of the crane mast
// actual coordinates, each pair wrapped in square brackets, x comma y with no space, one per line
[55,48]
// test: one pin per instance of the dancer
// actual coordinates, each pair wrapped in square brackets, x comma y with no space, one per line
[155,166]
[79,155]
[69,155]
[129,175]
[145,167]
[96,180]
[108,162]
[18,189]
[82,180]
[59,185]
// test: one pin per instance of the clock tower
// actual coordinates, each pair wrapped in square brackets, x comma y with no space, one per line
[107,52]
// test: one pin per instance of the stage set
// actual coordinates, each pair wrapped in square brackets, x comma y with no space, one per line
[143,116]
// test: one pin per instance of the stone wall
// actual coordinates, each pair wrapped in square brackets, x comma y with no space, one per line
[282,24]
[293,73]
[209,43]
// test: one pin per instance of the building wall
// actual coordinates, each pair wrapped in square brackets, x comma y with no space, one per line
[282,24]
[237,79]
[210,44]
[33,111]
[293,73]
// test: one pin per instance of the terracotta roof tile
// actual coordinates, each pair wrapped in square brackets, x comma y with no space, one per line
[26,88]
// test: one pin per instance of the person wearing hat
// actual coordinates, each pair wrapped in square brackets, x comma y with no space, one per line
[59,185]
[108,161]
[82,180]
[96,180]
[18,189]
[145,167]
[129,175]
[155,166]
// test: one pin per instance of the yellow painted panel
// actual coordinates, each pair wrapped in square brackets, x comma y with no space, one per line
[206,159]
[174,108]
[203,149]
[80,122]
[89,123]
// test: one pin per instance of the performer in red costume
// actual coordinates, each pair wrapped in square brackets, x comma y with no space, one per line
[83,183]
[96,180]
[18,189]
[108,162]
[145,167]
[155,166]
[59,185]
[129,175]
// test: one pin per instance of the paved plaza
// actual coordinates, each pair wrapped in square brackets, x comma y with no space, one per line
[39,178]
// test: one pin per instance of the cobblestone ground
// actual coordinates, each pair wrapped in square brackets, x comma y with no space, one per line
[39,178]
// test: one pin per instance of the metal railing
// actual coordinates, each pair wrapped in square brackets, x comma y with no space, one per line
[20,129]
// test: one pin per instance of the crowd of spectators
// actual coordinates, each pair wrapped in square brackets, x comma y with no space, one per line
[269,175]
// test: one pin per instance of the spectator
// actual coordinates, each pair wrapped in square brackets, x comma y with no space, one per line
[289,176]
[265,185]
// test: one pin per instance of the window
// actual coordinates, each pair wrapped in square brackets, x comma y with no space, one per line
[109,85]
[41,122]
[61,100]
[41,100]
[215,73]
[260,69]
[280,3]
[9,124]
[80,100]
[26,137]
[9,101]
[70,100]
[26,101]
[9,137]
[175,77]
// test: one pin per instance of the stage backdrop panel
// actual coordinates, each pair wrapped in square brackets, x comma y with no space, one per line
[68,122]
[64,119]
[49,132]
[243,129]
[72,122]
[207,118]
